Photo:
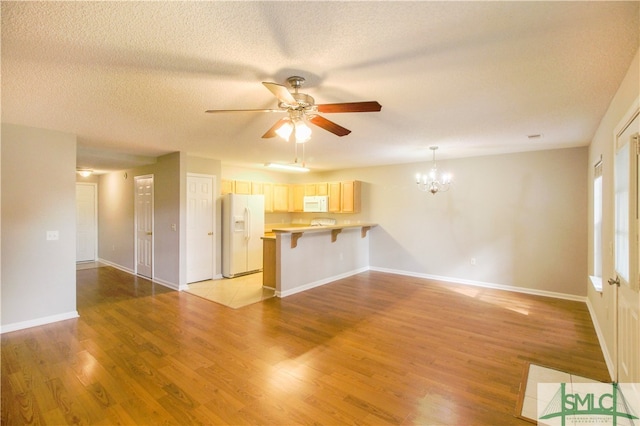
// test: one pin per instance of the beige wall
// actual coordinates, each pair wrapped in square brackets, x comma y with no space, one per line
[116,219]
[38,195]
[521,216]
[602,303]
[116,210]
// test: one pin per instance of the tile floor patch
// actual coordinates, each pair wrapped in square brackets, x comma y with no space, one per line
[233,292]
[528,400]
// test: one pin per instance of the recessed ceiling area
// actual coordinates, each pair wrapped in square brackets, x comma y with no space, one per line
[133,79]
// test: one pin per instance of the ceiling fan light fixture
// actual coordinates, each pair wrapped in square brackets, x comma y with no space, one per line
[301,106]
[303,132]
[285,130]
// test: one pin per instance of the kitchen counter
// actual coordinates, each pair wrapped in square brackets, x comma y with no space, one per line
[319,228]
[305,257]
[297,231]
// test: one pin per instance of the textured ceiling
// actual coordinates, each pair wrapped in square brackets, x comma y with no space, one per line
[132,79]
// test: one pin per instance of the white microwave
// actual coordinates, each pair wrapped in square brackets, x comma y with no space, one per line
[316,203]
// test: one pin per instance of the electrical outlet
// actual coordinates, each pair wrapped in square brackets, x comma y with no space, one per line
[473,261]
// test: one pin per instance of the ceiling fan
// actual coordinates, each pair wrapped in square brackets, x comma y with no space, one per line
[301,108]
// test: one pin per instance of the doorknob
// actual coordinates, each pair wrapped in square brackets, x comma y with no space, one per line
[210,233]
[615,281]
[149,233]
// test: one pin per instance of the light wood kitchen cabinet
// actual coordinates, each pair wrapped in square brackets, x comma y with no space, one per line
[268,197]
[242,187]
[297,197]
[257,188]
[322,189]
[266,189]
[310,189]
[280,197]
[350,197]
[269,262]
[226,186]
[344,197]
[334,190]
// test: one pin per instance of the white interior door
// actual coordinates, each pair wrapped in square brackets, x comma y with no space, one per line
[626,253]
[200,228]
[86,222]
[144,225]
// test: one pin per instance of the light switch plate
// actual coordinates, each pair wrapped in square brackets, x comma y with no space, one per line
[52,235]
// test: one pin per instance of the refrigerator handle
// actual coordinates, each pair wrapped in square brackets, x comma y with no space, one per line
[247,225]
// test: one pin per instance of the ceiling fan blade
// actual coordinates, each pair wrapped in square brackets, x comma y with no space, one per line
[329,126]
[281,92]
[213,111]
[272,131]
[369,106]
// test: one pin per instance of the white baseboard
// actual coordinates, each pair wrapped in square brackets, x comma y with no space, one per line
[484,284]
[608,359]
[319,283]
[168,284]
[119,267]
[38,321]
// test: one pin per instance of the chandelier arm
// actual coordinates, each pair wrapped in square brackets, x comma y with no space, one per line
[431,182]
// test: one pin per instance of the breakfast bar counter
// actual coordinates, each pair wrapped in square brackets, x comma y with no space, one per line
[310,256]
[298,231]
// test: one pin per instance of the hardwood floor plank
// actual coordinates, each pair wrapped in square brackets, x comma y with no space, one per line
[374,348]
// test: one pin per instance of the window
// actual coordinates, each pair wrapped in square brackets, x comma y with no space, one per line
[596,278]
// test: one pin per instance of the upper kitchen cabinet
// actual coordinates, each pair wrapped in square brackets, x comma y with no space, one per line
[229,186]
[268,197]
[257,188]
[350,197]
[298,191]
[242,187]
[280,197]
[344,197]
[311,189]
[226,186]
[335,191]
[266,189]
[321,189]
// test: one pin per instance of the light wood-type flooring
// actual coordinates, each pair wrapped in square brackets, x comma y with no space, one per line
[374,348]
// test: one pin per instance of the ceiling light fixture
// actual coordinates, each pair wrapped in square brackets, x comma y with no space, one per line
[432,182]
[287,167]
[295,125]
[84,172]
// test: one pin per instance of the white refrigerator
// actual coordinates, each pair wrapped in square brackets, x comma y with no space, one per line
[242,229]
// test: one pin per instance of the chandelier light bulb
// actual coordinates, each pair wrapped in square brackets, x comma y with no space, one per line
[431,182]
